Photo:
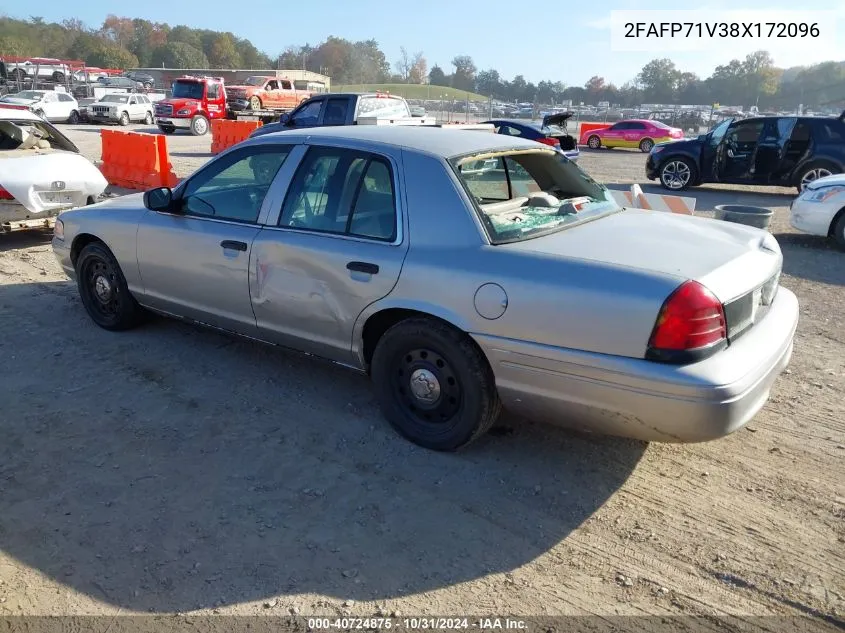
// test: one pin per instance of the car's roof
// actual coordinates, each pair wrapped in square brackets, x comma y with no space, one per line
[12,114]
[438,141]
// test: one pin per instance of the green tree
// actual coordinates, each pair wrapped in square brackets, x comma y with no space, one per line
[488,83]
[464,77]
[659,81]
[223,52]
[436,76]
[179,55]
[12,45]
[186,35]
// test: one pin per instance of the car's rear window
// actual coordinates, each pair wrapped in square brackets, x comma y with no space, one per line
[660,124]
[383,106]
[527,193]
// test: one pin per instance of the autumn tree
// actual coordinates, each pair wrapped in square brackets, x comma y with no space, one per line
[403,65]
[419,68]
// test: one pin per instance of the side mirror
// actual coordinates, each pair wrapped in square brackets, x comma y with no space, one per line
[285,119]
[159,199]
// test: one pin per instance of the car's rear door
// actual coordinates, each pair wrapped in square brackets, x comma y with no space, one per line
[337,246]
[194,261]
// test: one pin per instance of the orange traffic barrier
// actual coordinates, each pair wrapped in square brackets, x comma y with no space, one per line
[136,161]
[225,133]
[589,127]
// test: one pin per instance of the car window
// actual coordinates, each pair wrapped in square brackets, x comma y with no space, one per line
[233,188]
[784,127]
[309,114]
[336,111]
[510,130]
[383,106]
[747,132]
[342,192]
[272,85]
[64,97]
[213,91]
[133,101]
[523,195]
[619,126]
[636,126]
[718,132]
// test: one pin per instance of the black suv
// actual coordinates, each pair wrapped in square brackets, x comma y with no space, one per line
[787,151]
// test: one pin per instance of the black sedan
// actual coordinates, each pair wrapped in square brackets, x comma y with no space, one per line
[547,132]
[785,151]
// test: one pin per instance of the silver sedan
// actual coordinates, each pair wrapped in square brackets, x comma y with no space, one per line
[463,271]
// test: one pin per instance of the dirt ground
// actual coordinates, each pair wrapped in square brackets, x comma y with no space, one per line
[173,469]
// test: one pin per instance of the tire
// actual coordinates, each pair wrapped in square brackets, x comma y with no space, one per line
[103,290]
[254,103]
[838,230]
[677,174]
[148,118]
[58,77]
[73,119]
[18,74]
[147,85]
[812,172]
[165,129]
[124,119]
[199,125]
[467,403]
[645,145]
[594,142]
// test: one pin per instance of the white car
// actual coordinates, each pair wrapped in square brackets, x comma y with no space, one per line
[52,105]
[820,209]
[41,172]
[122,108]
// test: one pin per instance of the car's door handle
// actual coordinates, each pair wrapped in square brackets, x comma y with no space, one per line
[234,245]
[363,267]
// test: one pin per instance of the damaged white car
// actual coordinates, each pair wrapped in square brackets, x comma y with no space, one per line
[41,172]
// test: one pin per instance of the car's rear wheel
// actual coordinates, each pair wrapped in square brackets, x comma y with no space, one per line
[148,118]
[103,289]
[254,103]
[434,385]
[594,142]
[645,145]
[812,172]
[677,174]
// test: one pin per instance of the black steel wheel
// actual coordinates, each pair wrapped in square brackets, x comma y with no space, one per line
[434,385]
[103,289]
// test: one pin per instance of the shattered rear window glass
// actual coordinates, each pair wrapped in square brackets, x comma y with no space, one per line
[528,193]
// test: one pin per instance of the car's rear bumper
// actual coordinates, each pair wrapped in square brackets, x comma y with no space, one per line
[643,399]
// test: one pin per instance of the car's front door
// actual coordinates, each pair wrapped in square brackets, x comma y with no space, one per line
[337,247]
[194,261]
[613,136]
[633,134]
[713,151]
[271,97]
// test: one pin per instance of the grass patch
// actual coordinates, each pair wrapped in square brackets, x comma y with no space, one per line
[413,91]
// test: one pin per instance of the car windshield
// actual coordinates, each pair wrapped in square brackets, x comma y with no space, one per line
[27,94]
[114,99]
[255,81]
[521,194]
[187,90]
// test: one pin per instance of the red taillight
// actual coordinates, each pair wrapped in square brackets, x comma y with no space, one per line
[691,319]
[5,195]
[548,140]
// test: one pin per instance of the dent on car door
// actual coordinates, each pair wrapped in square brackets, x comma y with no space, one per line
[336,247]
[194,259]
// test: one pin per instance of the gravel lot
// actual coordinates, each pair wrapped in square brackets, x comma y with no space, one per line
[173,469]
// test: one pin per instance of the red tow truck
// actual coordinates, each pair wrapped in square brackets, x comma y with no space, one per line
[193,103]
[196,101]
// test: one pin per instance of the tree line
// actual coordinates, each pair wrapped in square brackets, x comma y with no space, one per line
[122,42]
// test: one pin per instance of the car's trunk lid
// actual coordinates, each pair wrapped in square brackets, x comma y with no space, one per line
[729,259]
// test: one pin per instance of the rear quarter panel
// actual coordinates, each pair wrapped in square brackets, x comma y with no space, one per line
[558,301]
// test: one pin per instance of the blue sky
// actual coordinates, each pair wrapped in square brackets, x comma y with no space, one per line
[566,41]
